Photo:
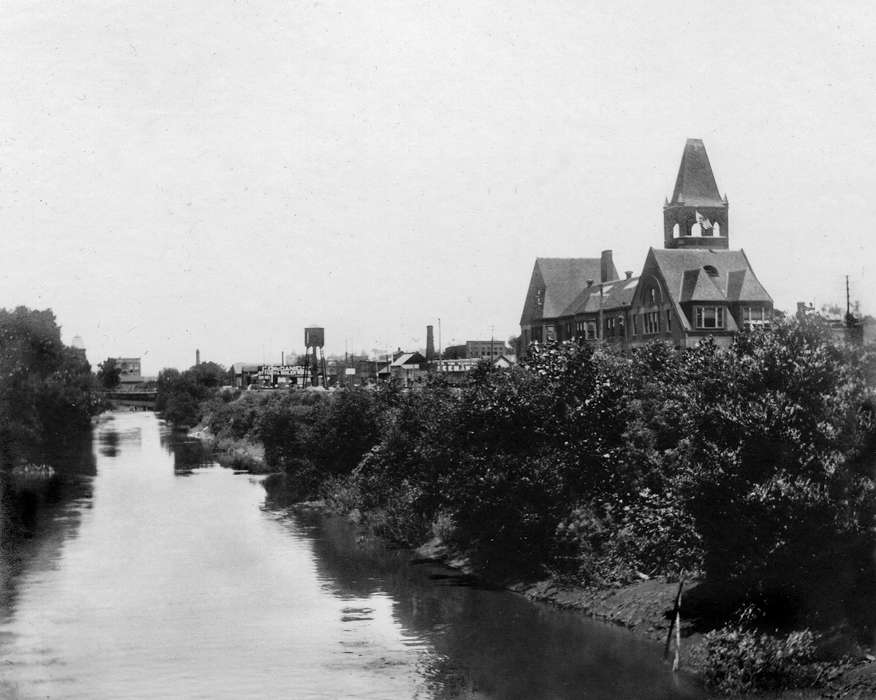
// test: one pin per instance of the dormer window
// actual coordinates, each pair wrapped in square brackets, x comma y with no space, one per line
[711,270]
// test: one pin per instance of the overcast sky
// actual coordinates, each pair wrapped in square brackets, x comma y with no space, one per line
[218,175]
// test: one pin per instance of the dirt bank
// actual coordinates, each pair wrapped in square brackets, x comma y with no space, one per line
[646,608]
[244,455]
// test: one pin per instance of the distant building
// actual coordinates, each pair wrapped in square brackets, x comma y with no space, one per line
[692,288]
[78,346]
[128,366]
[476,350]
[845,327]
[243,374]
[409,368]
[130,373]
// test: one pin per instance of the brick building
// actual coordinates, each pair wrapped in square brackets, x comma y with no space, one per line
[693,287]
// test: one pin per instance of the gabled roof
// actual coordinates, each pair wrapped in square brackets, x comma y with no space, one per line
[615,294]
[408,358]
[699,285]
[695,185]
[562,279]
[619,293]
[686,278]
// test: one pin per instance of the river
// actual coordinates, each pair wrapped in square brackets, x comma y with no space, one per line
[145,570]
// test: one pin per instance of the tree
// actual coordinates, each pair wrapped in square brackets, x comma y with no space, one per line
[109,373]
[45,388]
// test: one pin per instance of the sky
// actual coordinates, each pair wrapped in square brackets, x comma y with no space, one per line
[218,175]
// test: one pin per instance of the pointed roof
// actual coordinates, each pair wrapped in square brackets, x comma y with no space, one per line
[695,185]
[559,281]
[408,358]
[729,277]
[699,285]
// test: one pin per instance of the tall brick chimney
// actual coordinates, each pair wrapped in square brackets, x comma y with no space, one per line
[607,270]
[430,344]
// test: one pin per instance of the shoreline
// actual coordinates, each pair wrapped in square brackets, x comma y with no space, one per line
[643,607]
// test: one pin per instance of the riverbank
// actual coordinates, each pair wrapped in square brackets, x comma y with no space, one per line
[645,609]
[594,467]
[242,455]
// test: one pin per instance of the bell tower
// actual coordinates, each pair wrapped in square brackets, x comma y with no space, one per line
[697,215]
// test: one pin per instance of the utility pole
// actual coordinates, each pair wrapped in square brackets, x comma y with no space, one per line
[440,353]
[848,299]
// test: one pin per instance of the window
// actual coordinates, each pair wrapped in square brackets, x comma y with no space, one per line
[651,322]
[609,327]
[755,317]
[539,298]
[585,330]
[635,325]
[710,317]
[668,319]
[675,230]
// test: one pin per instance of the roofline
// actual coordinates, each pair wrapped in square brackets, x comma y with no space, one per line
[754,274]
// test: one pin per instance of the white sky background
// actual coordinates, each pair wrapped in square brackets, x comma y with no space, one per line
[220,174]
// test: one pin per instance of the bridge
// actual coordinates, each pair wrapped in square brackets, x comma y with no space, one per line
[141,400]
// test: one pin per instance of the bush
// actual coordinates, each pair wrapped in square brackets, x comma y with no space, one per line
[741,660]
[46,397]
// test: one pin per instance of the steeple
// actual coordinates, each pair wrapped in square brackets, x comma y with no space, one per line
[697,215]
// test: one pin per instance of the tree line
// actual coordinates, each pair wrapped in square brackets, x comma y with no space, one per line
[46,388]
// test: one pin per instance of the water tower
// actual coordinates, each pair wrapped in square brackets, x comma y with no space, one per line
[314,356]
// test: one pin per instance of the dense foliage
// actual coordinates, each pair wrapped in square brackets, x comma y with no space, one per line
[181,395]
[742,660]
[45,387]
[751,465]
[109,373]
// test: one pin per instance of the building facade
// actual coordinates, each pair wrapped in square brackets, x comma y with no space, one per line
[694,287]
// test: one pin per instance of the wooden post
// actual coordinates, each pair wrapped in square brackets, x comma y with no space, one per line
[675,622]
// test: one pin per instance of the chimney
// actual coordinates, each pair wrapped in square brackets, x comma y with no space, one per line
[197,357]
[430,344]
[606,267]
[628,273]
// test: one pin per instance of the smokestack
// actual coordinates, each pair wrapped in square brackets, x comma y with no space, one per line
[282,358]
[430,344]
[197,357]
[606,270]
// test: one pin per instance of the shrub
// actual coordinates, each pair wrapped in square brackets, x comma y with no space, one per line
[741,660]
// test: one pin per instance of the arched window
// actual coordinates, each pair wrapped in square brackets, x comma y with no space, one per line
[716,229]
[675,230]
[696,230]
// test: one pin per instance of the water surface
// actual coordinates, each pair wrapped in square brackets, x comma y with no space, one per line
[145,570]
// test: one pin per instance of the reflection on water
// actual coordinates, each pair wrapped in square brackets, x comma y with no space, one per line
[188,453]
[129,582]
